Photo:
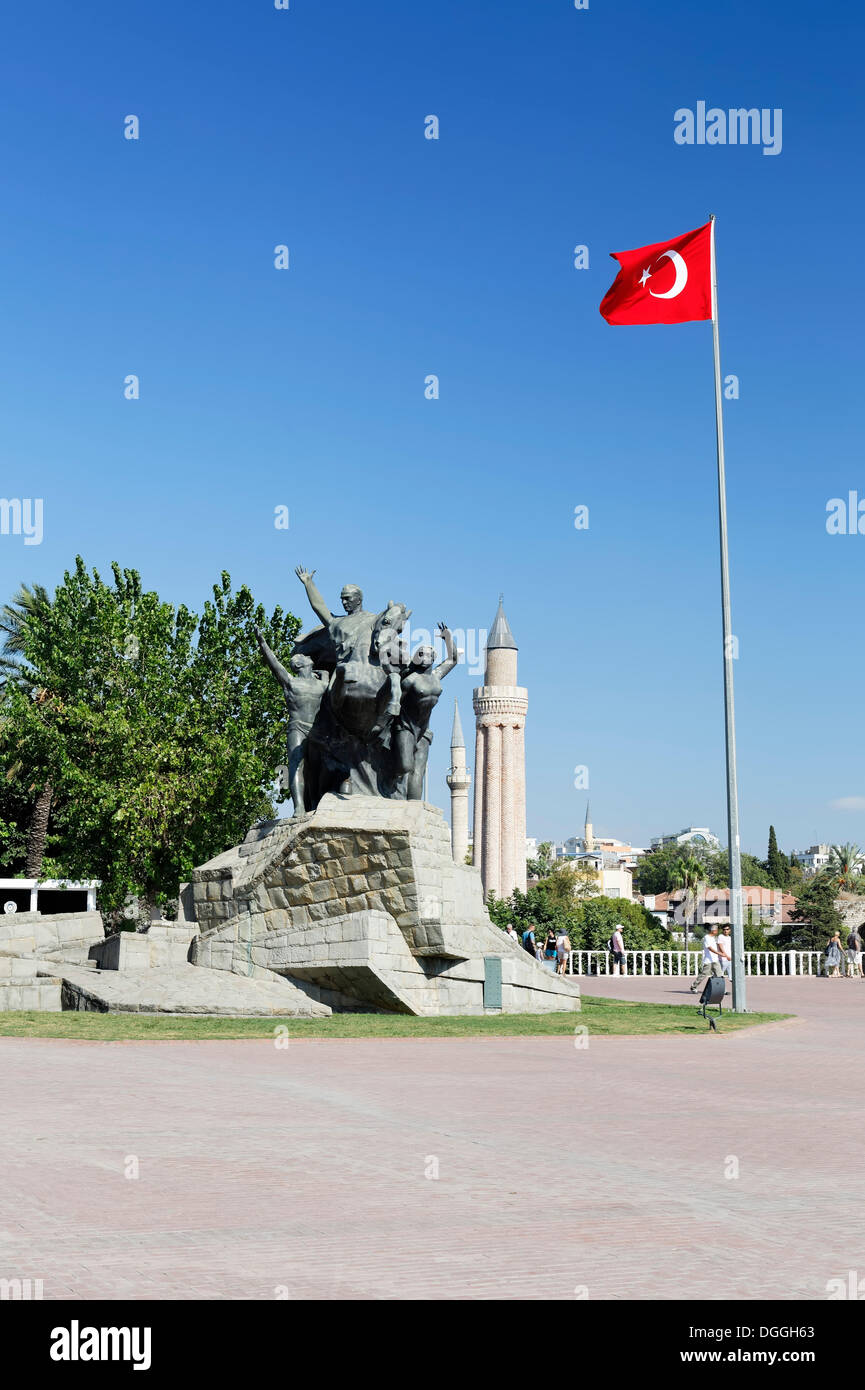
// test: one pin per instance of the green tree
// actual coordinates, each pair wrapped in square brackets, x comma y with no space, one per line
[27,605]
[159,732]
[690,874]
[13,615]
[777,865]
[597,919]
[845,866]
[534,908]
[570,881]
[795,875]
[543,863]
[815,916]
[754,874]
[656,871]
[589,923]
[16,814]
[754,937]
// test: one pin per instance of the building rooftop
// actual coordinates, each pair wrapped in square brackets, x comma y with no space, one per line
[752,896]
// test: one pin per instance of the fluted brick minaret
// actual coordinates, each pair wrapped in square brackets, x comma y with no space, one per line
[458,780]
[500,766]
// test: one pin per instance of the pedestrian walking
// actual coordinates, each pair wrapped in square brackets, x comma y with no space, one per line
[563,952]
[854,954]
[833,957]
[550,945]
[512,932]
[616,946]
[725,951]
[711,959]
[529,941]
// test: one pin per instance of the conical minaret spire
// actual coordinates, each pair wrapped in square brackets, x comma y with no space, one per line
[500,766]
[458,780]
[457,740]
[588,832]
[500,634]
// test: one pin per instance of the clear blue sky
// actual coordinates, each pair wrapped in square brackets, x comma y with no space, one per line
[408,257]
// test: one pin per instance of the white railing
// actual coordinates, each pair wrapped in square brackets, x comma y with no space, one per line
[690,963]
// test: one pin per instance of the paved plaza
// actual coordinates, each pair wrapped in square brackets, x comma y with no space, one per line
[477,1168]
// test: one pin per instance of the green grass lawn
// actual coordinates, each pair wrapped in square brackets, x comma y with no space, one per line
[610,1017]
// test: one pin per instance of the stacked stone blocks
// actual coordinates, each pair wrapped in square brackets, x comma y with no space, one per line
[23,985]
[362,905]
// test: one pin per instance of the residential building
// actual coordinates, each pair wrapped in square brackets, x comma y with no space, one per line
[692,835]
[769,908]
[813,860]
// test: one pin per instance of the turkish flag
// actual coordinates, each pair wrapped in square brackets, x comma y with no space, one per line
[669,282]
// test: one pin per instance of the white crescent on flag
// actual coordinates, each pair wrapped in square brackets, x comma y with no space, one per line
[681,279]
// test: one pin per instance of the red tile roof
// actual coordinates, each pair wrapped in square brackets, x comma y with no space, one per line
[752,896]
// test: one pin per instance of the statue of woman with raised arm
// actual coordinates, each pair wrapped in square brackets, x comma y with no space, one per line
[421,689]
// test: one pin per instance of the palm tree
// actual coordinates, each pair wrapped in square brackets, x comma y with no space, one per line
[14,667]
[688,873]
[845,865]
[13,617]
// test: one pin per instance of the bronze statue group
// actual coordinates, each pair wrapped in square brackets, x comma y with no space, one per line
[359,702]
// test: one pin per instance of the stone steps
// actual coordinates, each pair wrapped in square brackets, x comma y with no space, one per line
[69,958]
[186,989]
[42,995]
[33,933]
[26,985]
[14,969]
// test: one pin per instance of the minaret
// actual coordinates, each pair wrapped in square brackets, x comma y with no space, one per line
[458,780]
[500,766]
[588,832]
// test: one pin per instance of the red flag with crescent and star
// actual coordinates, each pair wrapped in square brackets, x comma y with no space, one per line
[669,282]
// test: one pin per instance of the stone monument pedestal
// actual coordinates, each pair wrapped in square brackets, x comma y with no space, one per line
[360,905]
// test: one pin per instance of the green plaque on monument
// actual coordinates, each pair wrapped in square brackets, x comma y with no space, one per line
[492,982]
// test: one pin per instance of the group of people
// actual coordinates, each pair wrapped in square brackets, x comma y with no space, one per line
[717,955]
[554,948]
[835,956]
[717,952]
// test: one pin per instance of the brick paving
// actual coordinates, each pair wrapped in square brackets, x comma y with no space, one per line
[300,1172]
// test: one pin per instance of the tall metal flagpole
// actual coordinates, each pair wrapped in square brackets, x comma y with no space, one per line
[736,923]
